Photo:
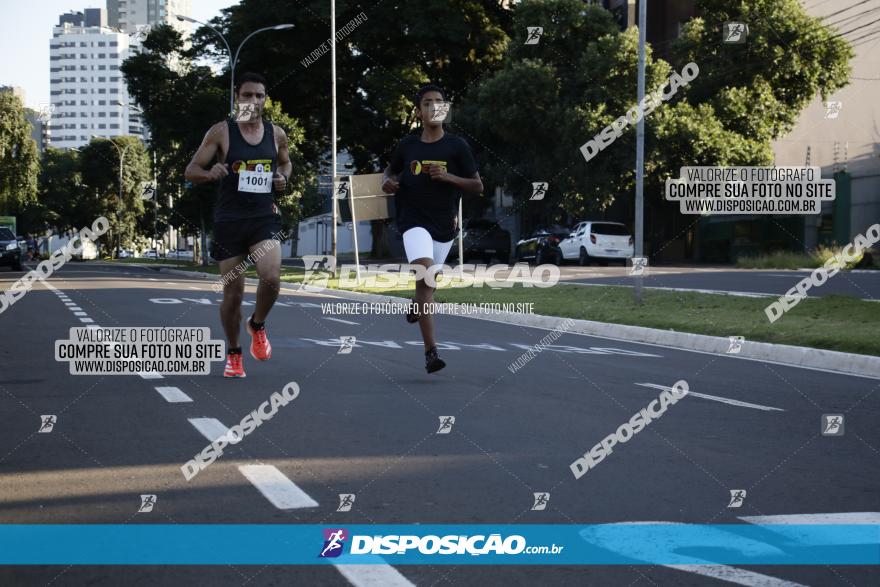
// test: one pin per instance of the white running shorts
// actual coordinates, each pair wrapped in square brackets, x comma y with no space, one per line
[418,244]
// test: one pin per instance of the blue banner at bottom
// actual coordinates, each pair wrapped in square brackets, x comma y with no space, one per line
[416,544]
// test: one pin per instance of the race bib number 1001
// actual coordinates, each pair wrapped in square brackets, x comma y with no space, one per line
[258,182]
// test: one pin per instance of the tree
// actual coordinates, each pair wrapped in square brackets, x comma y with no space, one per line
[180,102]
[550,98]
[99,166]
[66,203]
[19,161]
[380,64]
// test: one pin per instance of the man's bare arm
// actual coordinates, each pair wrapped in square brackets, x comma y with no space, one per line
[196,171]
[285,167]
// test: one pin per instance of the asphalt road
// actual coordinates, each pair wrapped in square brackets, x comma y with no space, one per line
[366,423]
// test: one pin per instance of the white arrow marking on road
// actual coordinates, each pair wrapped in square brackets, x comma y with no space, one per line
[210,428]
[276,487]
[173,395]
[342,321]
[748,546]
[723,400]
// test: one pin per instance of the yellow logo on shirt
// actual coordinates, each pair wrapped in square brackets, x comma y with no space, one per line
[252,165]
[415,166]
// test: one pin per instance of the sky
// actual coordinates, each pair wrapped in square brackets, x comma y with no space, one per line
[25,32]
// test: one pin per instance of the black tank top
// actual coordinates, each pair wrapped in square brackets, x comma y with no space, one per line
[260,163]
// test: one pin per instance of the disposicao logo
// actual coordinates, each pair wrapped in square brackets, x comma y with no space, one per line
[334,542]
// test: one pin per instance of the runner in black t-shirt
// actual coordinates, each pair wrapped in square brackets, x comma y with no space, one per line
[427,173]
[250,159]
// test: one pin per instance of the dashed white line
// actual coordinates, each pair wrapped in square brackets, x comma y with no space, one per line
[723,400]
[173,395]
[80,314]
[276,487]
[210,428]
[86,320]
[373,575]
[150,376]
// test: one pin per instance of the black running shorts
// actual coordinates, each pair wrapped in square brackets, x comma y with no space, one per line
[235,237]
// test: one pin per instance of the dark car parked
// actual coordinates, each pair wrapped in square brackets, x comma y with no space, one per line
[484,240]
[10,250]
[542,246]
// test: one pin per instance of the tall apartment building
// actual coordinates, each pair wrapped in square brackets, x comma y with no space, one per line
[131,16]
[88,92]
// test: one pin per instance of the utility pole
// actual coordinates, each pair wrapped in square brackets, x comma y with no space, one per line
[640,153]
[333,199]
[155,206]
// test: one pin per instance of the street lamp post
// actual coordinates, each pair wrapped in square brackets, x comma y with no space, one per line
[121,163]
[233,59]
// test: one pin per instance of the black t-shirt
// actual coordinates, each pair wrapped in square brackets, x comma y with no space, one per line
[425,202]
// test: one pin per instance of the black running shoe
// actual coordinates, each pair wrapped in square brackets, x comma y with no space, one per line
[412,315]
[432,361]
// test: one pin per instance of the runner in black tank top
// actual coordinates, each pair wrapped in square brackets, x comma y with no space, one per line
[247,191]
[251,161]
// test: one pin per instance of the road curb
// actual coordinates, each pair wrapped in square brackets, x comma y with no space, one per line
[825,360]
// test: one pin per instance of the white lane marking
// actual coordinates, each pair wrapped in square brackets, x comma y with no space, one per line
[80,314]
[342,321]
[170,283]
[86,320]
[373,575]
[837,518]
[195,288]
[734,575]
[150,375]
[210,428]
[742,294]
[276,487]
[790,526]
[75,309]
[723,400]
[173,395]
[667,346]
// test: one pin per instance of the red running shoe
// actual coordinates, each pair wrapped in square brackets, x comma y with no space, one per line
[233,366]
[261,350]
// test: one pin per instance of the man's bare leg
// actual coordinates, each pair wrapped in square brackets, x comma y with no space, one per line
[269,272]
[233,292]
